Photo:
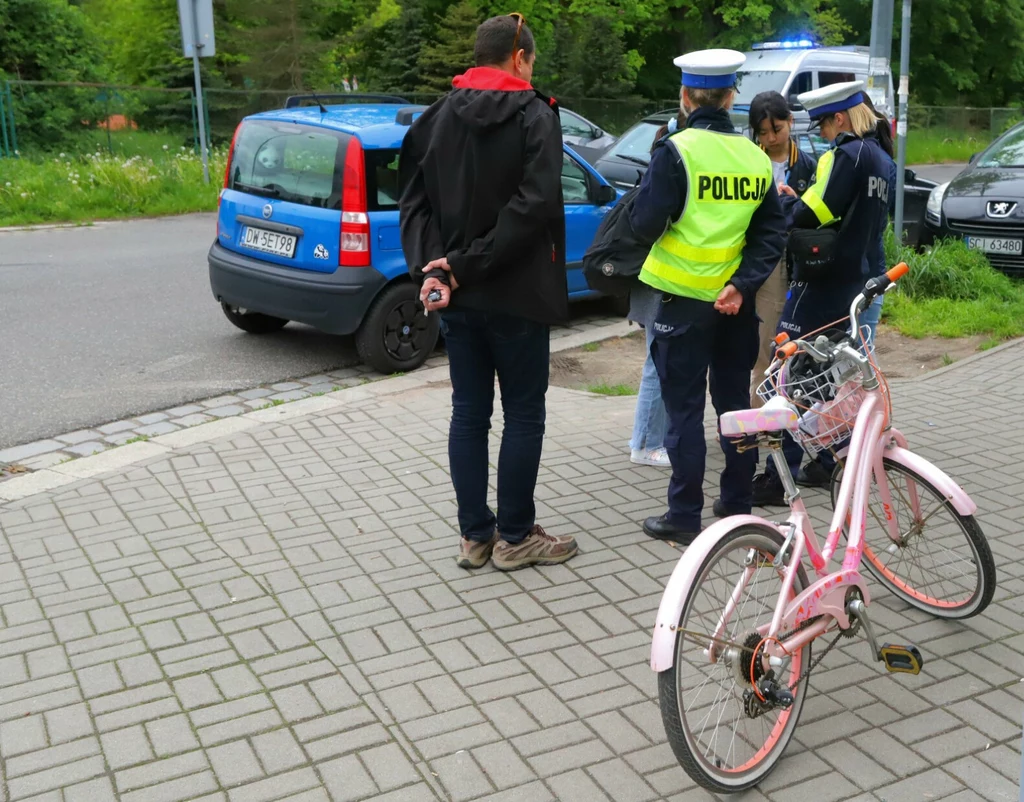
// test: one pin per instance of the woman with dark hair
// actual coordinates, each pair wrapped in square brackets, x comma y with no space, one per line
[650,422]
[771,125]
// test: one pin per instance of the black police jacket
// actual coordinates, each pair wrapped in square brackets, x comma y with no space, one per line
[852,187]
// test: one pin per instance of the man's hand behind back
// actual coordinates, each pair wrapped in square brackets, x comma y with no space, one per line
[433,283]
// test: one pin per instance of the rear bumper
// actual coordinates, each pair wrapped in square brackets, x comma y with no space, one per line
[332,302]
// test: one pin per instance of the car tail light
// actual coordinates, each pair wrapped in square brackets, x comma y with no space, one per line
[227,174]
[354,246]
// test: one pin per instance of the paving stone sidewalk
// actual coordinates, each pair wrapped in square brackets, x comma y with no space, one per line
[276,614]
[61,448]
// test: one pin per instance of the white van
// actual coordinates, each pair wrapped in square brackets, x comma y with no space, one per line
[794,67]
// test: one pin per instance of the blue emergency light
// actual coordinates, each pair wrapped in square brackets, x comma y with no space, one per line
[788,44]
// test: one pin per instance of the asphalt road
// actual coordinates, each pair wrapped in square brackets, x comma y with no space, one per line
[117,319]
[940,173]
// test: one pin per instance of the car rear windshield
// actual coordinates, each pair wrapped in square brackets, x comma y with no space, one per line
[636,143]
[1007,152]
[296,163]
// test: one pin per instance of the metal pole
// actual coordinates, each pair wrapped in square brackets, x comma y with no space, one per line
[14,124]
[901,125]
[199,90]
[879,70]
[4,146]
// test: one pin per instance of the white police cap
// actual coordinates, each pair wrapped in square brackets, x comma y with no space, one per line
[830,99]
[710,69]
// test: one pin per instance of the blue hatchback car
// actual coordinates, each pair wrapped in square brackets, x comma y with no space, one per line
[307,227]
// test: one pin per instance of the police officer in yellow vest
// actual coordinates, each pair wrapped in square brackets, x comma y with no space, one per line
[710,208]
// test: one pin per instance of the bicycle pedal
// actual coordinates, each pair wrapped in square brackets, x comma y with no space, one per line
[901,658]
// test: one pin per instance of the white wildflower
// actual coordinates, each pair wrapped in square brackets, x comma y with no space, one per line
[24,194]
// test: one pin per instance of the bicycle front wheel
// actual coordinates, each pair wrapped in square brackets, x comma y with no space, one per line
[719,744]
[941,562]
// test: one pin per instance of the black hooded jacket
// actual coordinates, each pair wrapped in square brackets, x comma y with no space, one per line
[480,172]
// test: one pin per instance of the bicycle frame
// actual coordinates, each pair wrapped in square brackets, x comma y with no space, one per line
[828,594]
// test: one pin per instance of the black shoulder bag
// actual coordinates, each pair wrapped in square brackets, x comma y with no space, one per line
[813,250]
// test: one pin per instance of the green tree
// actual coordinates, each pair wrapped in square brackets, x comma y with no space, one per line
[48,40]
[450,50]
[389,51]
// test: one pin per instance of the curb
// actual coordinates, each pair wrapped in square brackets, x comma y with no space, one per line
[21,487]
[47,227]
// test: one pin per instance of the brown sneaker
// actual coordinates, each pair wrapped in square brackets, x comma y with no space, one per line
[539,548]
[473,554]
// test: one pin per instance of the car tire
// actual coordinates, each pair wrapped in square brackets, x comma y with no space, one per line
[253,322]
[396,335]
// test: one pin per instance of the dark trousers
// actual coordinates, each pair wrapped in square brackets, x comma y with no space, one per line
[481,345]
[691,341]
[810,307]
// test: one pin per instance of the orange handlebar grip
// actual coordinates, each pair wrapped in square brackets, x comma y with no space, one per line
[786,351]
[898,272]
[781,338]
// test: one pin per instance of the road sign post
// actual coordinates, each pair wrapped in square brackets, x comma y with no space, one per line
[901,120]
[197,42]
[881,53]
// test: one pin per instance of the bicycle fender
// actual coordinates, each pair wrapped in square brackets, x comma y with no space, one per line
[663,647]
[940,480]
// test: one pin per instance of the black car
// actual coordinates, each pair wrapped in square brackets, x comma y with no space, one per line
[984,204]
[625,162]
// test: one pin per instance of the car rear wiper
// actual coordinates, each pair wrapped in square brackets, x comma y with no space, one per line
[256,189]
[634,159]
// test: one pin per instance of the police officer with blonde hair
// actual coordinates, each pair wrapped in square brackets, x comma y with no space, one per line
[709,207]
[836,227]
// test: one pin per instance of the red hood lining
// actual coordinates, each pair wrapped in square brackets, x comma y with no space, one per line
[490,78]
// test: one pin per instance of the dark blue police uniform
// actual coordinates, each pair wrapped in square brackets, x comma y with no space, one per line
[692,339]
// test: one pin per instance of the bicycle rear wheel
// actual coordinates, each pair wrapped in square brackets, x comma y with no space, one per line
[715,740]
[942,563]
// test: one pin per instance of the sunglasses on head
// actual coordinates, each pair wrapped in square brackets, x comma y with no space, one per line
[519,29]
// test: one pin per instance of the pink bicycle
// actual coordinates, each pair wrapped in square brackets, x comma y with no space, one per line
[732,641]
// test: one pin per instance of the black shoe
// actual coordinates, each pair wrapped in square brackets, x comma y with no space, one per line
[722,511]
[661,529]
[768,491]
[814,474]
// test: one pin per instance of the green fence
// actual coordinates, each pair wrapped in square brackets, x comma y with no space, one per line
[41,116]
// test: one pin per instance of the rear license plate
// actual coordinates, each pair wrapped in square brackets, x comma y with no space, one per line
[1013,247]
[259,239]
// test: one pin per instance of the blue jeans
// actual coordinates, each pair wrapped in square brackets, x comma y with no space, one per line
[481,345]
[649,421]
[870,317]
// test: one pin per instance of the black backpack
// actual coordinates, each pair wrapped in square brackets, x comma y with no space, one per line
[613,260]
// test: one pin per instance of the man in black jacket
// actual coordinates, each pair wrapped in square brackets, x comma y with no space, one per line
[481,213]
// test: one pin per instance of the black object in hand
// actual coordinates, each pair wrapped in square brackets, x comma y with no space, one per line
[441,275]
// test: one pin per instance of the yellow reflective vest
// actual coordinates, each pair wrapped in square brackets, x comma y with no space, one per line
[727,178]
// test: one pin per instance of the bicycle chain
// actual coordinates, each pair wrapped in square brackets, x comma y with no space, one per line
[814,664]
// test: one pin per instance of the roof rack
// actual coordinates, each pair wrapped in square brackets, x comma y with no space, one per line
[296,100]
[406,114]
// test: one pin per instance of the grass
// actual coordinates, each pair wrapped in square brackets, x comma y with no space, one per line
[614,389]
[940,146]
[141,438]
[591,347]
[274,402]
[145,176]
[953,292]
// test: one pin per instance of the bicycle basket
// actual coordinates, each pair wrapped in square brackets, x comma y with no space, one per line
[827,394]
